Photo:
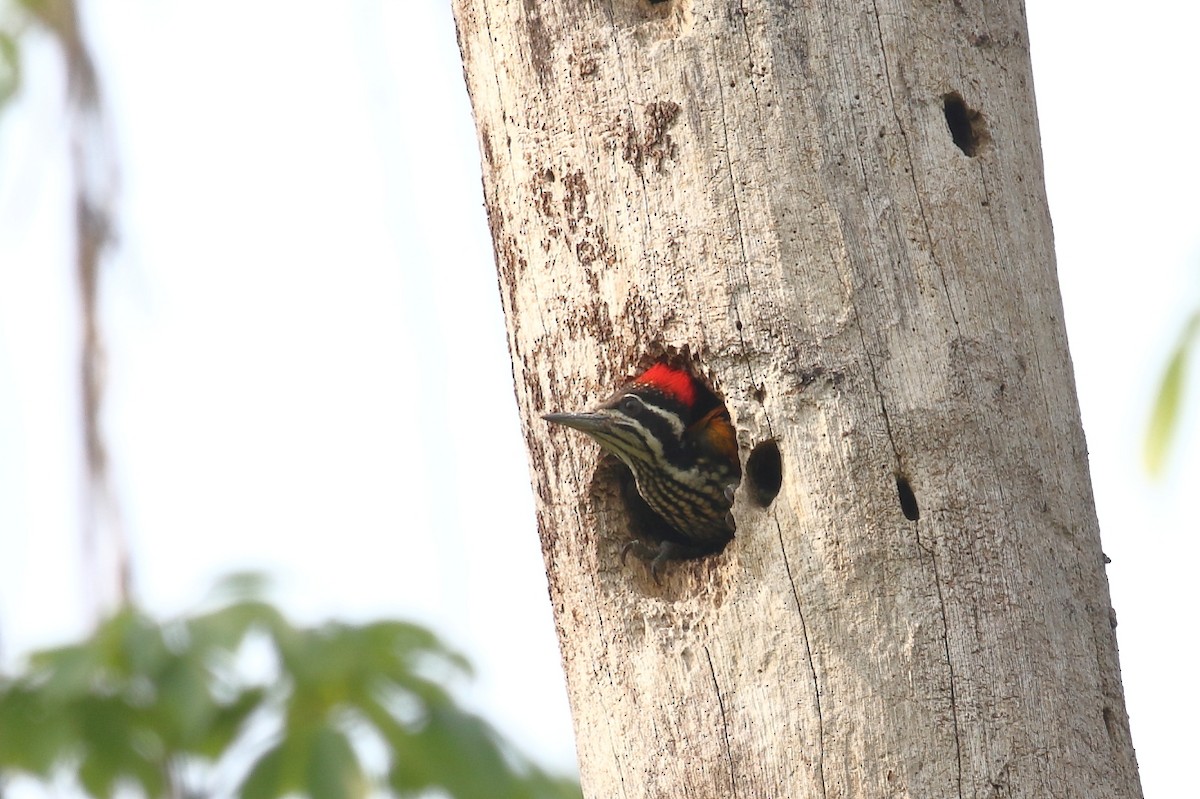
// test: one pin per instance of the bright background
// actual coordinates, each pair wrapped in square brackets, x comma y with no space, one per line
[307,362]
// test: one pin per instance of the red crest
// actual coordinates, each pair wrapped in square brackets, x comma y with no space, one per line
[674,383]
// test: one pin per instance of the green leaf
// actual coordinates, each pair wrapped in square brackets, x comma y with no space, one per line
[399,648]
[10,67]
[546,786]
[66,672]
[227,723]
[138,647]
[185,707]
[239,588]
[333,768]
[1164,418]
[225,628]
[462,754]
[98,775]
[321,662]
[104,725]
[34,733]
[114,747]
[270,777]
[455,751]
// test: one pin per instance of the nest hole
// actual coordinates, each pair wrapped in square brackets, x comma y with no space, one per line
[629,13]
[967,126]
[764,473]
[614,490]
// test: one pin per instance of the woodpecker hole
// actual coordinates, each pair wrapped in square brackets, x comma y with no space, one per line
[908,499]
[656,13]
[967,126]
[623,514]
[1112,726]
[764,473]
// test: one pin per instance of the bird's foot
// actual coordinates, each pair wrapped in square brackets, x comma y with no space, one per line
[659,553]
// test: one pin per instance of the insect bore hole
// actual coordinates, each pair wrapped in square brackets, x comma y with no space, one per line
[908,499]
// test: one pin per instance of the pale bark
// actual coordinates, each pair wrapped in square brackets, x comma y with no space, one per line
[773,187]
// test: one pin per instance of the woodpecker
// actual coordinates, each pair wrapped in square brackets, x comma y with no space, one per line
[676,439]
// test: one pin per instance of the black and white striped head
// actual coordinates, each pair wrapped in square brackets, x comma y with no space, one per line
[676,438]
[646,423]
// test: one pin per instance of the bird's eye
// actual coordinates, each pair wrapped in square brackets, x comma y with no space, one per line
[631,405]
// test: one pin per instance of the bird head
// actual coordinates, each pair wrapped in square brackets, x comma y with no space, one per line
[650,420]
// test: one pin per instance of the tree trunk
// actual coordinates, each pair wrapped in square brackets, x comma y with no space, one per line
[835,211]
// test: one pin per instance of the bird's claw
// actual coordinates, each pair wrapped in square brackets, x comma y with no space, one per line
[655,555]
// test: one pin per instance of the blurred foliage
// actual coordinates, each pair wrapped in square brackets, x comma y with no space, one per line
[60,19]
[10,65]
[13,23]
[1164,418]
[171,709]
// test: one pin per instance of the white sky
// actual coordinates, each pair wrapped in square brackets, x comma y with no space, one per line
[306,344]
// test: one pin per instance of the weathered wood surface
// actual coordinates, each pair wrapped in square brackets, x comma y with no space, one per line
[773,186]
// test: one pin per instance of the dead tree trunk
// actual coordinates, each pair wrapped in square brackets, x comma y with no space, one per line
[836,212]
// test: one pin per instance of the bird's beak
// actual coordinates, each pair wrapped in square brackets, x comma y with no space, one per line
[589,423]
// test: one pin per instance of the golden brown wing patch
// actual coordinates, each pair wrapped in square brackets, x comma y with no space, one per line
[714,432]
